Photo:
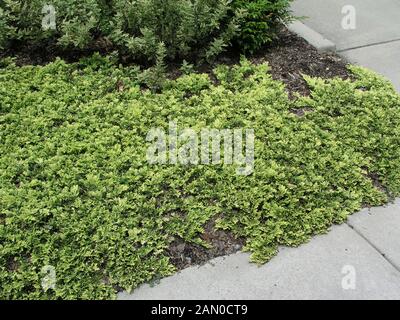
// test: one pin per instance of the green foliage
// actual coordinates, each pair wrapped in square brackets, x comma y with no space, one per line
[187,68]
[76,20]
[187,28]
[261,22]
[77,193]
[203,28]
[154,78]
[3,28]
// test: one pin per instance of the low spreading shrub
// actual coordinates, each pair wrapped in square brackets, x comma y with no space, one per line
[77,192]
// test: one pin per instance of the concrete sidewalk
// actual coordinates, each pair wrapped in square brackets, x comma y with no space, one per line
[375,41]
[315,270]
[357,260]
[366,248]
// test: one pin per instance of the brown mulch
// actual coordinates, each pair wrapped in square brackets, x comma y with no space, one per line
[183,254]
[292,57]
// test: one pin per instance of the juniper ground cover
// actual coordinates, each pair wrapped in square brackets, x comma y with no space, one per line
[77,192]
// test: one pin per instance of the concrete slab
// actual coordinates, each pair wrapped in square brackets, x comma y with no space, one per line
[376,21]
[383,58]
[312,271]
[381,227]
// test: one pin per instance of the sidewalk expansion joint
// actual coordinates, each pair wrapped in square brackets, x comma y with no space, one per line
[384,256]
[368,45]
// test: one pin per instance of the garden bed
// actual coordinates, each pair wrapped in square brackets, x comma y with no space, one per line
[289,58]
[77,192]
